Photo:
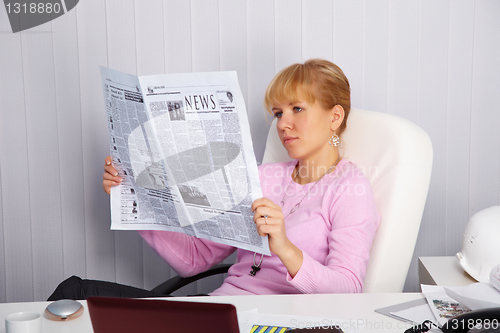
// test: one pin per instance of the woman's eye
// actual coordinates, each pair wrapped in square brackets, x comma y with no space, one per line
[297,109]
[278,114]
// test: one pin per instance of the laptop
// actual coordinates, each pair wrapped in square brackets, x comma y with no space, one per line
[126,315]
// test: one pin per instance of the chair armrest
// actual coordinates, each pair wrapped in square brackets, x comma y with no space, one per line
[178,282]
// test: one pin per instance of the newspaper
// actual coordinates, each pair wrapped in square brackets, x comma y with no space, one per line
[441,304]
[182,144]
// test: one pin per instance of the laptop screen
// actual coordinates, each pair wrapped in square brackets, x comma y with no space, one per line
[125,315]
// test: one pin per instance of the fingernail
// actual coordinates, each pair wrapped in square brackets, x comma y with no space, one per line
[116,174]
[121,179]
[108,163]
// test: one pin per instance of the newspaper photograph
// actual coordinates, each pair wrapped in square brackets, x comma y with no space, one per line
[182,144]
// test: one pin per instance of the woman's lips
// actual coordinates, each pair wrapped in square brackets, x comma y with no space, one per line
[288,139]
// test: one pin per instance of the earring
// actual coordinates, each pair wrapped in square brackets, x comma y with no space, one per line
[334,140]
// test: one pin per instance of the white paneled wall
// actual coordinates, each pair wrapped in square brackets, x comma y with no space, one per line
[432,62]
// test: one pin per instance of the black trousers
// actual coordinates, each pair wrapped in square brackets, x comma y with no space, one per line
[78,289]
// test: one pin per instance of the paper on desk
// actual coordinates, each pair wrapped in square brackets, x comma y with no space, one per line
[413,313]
[476,296]
[441,304]
[416,315]
[246,320]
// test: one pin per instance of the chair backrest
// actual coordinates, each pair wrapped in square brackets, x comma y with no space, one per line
[396,156]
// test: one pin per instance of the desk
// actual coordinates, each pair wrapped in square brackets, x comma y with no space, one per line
[442,271]
[358,308]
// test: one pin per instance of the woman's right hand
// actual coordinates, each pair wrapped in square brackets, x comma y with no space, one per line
[110,177]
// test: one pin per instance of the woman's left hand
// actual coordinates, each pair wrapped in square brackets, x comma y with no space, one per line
[270,221]
[272,226]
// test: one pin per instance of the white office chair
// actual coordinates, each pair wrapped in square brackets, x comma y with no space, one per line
[396,156]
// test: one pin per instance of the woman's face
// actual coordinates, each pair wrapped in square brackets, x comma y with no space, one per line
[305,129]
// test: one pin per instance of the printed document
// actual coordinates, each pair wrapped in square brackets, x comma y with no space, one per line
[182,144]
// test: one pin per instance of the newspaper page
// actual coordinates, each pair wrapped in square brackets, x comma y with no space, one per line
[182,144]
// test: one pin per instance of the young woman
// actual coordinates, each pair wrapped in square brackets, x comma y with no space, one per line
[318,210]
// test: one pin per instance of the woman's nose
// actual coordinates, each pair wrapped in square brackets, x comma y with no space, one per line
[284,122]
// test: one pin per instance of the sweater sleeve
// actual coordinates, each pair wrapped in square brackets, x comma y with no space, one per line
[187,255]
[354,220]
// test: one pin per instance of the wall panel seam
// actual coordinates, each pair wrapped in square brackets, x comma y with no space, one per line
[163,39]
[301,31]
[274,35]
[445,161]
[363,54]
[417,92]
[387,59]
[191,31]
[218,34]
[471,103]
[135,40]
[4,275]
[137,73]
[107,63]
[247,76]
[333,33]
[28,165]
[81,135]
[58,142]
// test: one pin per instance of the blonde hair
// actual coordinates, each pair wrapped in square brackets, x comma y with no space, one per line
[316,79]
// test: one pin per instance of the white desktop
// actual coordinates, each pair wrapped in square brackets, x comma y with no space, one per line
[356,309]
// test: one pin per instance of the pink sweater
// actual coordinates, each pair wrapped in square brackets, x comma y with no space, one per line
[334,227]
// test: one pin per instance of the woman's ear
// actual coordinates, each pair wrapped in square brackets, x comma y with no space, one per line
[337,117]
